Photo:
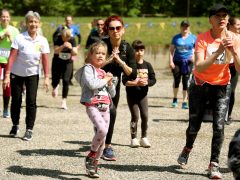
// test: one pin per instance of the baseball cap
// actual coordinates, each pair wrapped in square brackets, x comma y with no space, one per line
[216,8]
[185,23]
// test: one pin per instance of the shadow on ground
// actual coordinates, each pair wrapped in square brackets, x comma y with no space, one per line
[43,172]
[135,168]
[84,146]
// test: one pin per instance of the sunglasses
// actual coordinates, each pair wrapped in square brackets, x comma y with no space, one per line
[118,28]
[100,24]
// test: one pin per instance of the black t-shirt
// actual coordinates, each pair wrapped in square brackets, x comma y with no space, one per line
[66,52]
[144,70]
[126,54]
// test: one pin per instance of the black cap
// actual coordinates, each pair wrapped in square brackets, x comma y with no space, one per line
[185,23]
[216,8]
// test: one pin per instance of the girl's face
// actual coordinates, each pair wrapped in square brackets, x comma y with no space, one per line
[98,57]
[32,25]
[115,30]
[139,54]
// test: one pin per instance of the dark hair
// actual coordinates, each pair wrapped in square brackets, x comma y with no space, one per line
[232,20]
[137,44]
[68,15]
[110,19]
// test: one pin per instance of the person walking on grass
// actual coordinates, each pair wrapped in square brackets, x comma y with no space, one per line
[97,91]
[28,50]
[211,82]
[137,99]
[62,64]
[7,35]
[121,60]
[181,60]
[234,26]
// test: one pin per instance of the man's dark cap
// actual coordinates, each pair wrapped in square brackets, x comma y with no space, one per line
[185,23]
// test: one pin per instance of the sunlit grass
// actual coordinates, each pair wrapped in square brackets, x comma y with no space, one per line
[155,32]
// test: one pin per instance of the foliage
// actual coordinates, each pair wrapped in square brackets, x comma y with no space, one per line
[127,8]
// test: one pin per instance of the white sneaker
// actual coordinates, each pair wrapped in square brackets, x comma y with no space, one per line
[213,171]
[145,143]
[64,104]
[55,91]
[134,143]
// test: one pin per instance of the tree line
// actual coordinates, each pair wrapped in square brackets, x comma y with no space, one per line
[132,8]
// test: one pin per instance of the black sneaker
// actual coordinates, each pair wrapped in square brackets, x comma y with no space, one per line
[28,135]
[183,157]
[229,121]
[14,131]
[91,167]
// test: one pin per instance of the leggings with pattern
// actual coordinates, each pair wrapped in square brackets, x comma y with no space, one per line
[100,120]
[136,104]
[218,96]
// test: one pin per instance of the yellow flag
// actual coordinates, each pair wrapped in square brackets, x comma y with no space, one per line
[89,26]
[14,23]
[138,25]
[162,25]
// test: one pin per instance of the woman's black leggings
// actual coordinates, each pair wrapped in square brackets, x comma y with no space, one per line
[113,114]
[219,98]
[61,69]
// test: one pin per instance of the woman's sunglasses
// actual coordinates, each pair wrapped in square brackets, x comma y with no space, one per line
[118,28]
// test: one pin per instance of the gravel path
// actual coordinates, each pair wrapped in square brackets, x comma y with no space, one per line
[62,138]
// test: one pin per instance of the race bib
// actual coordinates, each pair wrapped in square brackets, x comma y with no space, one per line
[65,56]
[4,52]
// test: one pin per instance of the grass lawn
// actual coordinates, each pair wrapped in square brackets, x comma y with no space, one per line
[153,32]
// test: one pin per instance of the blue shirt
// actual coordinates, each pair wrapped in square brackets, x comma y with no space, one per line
[74,29]
[183,47]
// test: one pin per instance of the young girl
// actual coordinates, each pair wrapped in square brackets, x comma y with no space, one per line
[97,87]
[137,95]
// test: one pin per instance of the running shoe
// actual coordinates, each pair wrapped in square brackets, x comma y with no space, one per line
[134,143]
[91,166]
[108,154]
[229,121]
[6,114]
[14,131]
[145,142]
[213,171]
[185,105]
[174,103]
[183,157]
[28,135]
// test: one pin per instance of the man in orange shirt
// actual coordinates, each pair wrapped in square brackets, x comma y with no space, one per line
[211,81]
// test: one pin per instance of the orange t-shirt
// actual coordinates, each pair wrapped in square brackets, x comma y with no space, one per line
[218,73]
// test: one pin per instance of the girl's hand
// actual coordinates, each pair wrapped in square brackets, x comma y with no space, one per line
[109,78]
[142,82]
